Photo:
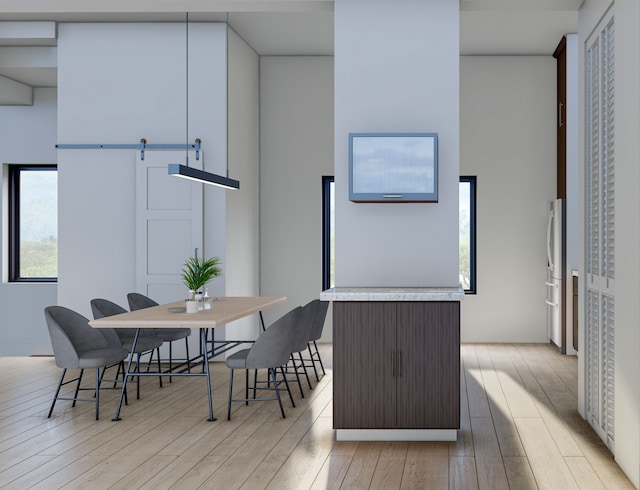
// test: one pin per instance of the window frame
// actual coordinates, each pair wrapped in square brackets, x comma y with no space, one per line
[13,181]
[326,231]
[473,182]
[327,180]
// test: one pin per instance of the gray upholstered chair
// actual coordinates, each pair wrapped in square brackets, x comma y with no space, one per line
[147,340]
[76,345]
[271,350]
[316,333]
[139,301]
[300,342]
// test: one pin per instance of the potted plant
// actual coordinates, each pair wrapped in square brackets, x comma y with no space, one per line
[196,273]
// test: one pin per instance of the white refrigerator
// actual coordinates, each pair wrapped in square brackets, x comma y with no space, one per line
[556,274]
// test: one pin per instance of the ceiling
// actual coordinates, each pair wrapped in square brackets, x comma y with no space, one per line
[285,27]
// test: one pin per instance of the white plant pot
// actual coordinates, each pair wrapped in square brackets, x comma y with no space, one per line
[192,306]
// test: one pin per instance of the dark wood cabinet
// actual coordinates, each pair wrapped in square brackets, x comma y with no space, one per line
[561,55]
[362,355]
[396,365]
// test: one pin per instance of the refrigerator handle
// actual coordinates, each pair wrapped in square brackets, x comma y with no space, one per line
[549,222]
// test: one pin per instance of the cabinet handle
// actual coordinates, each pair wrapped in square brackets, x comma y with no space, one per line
[393,363]
[560,124]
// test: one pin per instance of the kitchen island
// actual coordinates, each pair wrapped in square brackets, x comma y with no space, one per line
[396,363]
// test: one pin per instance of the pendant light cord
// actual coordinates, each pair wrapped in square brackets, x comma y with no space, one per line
[226,32]
[187,89]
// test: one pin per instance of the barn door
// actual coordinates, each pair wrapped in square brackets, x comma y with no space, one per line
[169,224]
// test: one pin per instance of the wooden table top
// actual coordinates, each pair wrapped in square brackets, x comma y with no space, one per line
[223,310]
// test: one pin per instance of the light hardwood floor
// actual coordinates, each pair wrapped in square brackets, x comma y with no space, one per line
[520,430]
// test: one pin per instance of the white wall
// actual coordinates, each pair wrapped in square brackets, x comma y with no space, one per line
[627,223]
[296,135]
[119,83]
[508,140]
[397,73]
[27,135]
[243,205]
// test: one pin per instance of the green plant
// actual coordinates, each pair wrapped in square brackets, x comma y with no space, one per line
[197,272]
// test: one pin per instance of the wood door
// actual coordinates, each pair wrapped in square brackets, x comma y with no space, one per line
[428,381]
[363,348]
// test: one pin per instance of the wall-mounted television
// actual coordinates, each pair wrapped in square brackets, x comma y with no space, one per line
[393,167]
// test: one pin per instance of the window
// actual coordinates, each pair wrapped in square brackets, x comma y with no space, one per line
[33,223]
[328,233]
[468,234]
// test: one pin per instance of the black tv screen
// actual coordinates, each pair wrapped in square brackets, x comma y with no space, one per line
[393,167]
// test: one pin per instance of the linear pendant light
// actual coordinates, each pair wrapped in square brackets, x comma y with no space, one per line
[191,173]
[197,175]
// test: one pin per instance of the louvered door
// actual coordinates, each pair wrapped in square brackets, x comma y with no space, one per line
[600,230]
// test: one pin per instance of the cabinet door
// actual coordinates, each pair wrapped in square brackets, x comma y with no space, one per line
[363,352]
[561,118]
[428,381]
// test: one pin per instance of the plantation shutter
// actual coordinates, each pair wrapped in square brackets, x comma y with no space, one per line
[600,231]
[608,370]
[593,356]
[593,160]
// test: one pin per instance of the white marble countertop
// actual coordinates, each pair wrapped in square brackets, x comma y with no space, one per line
[393,294]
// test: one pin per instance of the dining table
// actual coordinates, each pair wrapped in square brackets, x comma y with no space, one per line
[223,310]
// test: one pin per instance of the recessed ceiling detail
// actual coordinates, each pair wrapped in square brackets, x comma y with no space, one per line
[271,28]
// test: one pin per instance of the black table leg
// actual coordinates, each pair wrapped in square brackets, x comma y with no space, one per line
[126,375]
[203,344]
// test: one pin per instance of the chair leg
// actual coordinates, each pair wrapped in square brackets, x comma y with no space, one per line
[150,361]
[305,370]
[230,393]
[295,370]
[78,388]
[159,366]
[97,393]
[121,369]
[138,378]
[186,343]
[313,363]
[319,358]
[170,361]
[157,351]
[104,370]
[255,382]
[287,385]
[275,386]
[55,397]
[246,387]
